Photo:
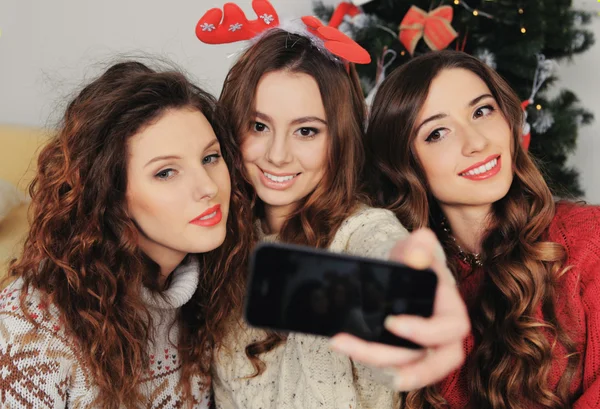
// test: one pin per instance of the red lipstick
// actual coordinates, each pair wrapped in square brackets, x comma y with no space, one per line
[486,174]
[210,217]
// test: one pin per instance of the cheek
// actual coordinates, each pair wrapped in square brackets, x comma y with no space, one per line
[223,181]
[253,148]
[436,167]
[146,201]
[312,155]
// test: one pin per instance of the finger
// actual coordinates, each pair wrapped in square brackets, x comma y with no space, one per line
[373,353]
[422,250]
[436,365]
[448,326]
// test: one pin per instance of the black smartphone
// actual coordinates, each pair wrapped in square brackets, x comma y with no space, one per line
[302,289]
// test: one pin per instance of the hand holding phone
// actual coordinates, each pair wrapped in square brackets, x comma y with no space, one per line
[302,289]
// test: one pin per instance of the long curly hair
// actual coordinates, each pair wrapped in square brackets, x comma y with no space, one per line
[81,252]
[513,355]
[319,215]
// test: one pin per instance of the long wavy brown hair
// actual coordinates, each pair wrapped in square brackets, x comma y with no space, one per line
[512,355]
[319,215]
[82,253]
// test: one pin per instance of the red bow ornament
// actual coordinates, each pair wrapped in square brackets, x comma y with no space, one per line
[434,27]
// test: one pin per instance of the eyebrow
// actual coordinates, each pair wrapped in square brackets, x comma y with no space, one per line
[212,143]
[435,117]
[296,121]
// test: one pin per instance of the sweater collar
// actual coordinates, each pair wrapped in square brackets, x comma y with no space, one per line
[262,236]
[184,282]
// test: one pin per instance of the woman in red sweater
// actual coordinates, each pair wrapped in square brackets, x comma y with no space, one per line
[444,151]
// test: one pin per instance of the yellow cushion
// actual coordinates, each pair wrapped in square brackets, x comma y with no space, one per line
[19,148]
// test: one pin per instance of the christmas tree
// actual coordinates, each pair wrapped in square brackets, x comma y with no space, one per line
[521,39]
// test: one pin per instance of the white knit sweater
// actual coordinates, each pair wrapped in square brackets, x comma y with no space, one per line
[303,372]
[41,368]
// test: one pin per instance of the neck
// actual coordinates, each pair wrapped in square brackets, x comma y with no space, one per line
[167,266]
[275,217]
[167,259]
[468,225]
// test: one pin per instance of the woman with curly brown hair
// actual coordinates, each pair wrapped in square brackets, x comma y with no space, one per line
[443,151]
[112,305]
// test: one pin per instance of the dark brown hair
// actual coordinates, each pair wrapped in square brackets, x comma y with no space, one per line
[512,356]
[82,252]
[319,215]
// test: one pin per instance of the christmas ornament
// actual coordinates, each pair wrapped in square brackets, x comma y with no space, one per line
[487,57]
[434,27]
[526,129]
[342,10]
[544,70]
[382,66]
[543,122]
[578,41]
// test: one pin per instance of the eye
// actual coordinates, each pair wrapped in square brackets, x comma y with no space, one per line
[437,135]
[165,174]
[307,132]
[483,111]
[259,127]
[207,160]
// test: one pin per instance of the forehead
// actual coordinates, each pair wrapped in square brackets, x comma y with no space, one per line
[176,131]
[288,95]
[454,87]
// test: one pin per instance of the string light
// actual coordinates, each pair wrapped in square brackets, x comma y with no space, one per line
[474,11]
[523,30]
[402,52]
[538,107]
[521,11]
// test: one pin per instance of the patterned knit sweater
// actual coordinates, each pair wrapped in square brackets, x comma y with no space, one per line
[577,228]
[303,372]
[42,368]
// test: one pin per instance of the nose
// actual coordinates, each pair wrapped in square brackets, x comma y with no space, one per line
[474,140]
[278,152]
[204,187]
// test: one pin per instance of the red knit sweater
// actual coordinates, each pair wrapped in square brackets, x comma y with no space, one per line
[577,228]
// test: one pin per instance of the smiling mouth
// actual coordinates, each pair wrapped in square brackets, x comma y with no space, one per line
[486,167]
[279,179]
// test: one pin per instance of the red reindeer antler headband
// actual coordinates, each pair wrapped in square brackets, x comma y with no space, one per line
[231,25]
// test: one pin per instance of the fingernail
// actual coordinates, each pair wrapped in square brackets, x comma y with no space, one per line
[419,257]
[395,325]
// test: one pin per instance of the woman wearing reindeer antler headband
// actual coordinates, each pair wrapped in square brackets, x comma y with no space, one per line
[297,113]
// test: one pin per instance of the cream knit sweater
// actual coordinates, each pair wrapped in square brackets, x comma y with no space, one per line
[303,372]
[41,367]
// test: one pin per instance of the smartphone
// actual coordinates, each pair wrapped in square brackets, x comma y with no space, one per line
[301,289]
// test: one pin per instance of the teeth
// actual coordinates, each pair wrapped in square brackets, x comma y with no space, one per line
[209,216]
[483,168]
[279,179]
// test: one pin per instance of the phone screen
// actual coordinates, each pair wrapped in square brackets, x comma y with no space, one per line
[301,289]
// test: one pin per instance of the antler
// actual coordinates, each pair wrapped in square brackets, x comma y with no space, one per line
[337,42]
[235,26]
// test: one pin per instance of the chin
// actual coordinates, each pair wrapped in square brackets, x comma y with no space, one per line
[208,241]
[489,196]
[277,198]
